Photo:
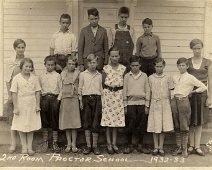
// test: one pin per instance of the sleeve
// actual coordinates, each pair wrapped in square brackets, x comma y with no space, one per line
[132,32]
[101,88]
[60,86]
[158,47]
[14,85]
[9,67]
[110,38]
[81,82]
[199,84]
[106,48]
[125,89]
[103,78]
[138,47]
[147,88]
[74,43]
[81,44]
[37,84]
[170,83]
[52,42]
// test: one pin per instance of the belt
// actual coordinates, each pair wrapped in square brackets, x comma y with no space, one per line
[49,95]
[148,58]
[92,95]
[180,98]
[113,88]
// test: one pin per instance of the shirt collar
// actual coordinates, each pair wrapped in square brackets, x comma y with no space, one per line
[68,31]
[148,34]
[135,76]
[86,71]
[50,72]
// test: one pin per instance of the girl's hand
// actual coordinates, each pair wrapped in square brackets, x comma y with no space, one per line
[146,110]
[81,105]
[208,102]
[16,111]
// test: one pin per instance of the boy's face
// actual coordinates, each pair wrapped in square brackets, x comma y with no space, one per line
[27,67]
[114,57]
[50,66]
[123,18]
[71,65]
[64,24]
[93,20]
[159,68]
[147,28]
[182,67]
[135,67]
[92,65]
[20,49]
[197,49]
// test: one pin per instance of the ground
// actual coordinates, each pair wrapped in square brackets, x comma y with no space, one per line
[134,159]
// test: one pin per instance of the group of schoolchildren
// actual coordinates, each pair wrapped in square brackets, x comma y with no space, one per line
[101,87]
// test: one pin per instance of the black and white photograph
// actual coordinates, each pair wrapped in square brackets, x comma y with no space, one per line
[96,84]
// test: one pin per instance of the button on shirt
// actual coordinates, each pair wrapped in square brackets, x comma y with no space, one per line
[184,84]
[63,43]
[148,45]
[90,83]
[50,83]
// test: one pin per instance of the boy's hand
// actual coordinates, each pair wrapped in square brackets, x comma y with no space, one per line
[38,109]
[208,102]
[146,110]
[81,105]
[16,111]
[81,68]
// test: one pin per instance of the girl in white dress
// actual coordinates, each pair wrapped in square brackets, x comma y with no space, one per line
[160,115]
[26,100]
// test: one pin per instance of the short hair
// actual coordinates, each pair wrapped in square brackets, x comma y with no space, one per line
[182,60]
[17,42]
[91,57]
[50,58]
[195,42]
[26,60]
[113,48]
[135,58]
[124,10]
[93,11]
[72,58]
[65,16]
[158,60]
[147,21]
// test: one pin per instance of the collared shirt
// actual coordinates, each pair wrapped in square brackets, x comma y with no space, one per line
[148,45]
[184,84]
[63,43]
[50,83]
[136,89]
[94,30]
[90,83]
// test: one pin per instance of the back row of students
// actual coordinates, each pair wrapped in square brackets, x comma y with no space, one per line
[93,42]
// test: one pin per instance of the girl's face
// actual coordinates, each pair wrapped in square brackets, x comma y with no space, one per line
[64,24]
[27,68]
[71,65]
[114,57]
[159,68]
[197,49]
[20,49]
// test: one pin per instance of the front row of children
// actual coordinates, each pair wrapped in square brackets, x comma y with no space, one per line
[112,99]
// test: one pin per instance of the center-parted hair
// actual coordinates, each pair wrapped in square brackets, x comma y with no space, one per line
[17,42]
[93,11]
[158,60]
[135,58]
[50,58]
[26,60]
[91,57]
[124,10]
[195,42]
[65,16]
[147,21]
[182,60]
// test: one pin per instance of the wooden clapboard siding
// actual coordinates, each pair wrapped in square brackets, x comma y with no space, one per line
[34,21]
[175,22]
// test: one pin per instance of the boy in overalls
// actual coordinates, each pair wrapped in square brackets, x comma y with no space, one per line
[122,36]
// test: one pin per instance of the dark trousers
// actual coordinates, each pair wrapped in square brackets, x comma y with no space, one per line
[136,122]
[181,112]
[92,112]
[49,112]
